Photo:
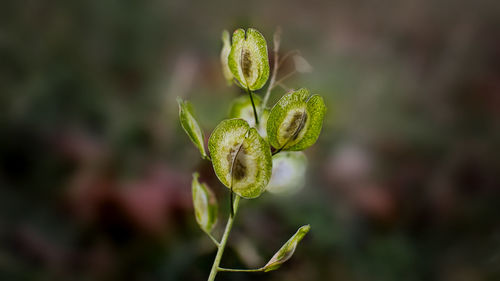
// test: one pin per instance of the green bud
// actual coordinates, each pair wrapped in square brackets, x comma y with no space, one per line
[289,169]
[263,123]
[205,205]
[241,157]
[295,121]
[287,250]
[224,54]
[248,59]
[190,125]
[242,108]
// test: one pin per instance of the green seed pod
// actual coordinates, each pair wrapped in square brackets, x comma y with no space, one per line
[248,59]
[287,250]
[289,169]
[264,116]
[224,54]
[205,205]
[295,121]
[241,157]
[190,125]
[242,108]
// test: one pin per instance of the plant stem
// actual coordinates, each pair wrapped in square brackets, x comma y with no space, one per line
[277,151]
[253,106]
[222,245]
[286,56]
[273,77]
[240,270]
[213,239]
[286,76]
[283,86]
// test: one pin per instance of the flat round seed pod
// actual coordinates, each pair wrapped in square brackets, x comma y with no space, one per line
[248,59]
[241,157]
[296,120]
[289,169]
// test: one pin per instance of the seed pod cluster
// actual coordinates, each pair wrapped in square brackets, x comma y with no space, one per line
[254,151]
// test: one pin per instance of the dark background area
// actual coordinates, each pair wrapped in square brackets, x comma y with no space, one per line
[95,170]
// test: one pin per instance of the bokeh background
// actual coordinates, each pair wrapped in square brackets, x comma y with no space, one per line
[95,170]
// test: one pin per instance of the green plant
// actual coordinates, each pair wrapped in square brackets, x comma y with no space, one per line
[244,149]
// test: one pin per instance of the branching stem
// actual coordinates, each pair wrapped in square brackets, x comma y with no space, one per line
[253,106]
[283,86]
[223,242]
[286,56]
[240,270]
[273,76]
[213,239]
[282,79]
[277,151]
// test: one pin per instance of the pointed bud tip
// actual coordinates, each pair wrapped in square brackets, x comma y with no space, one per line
[190,125]
[287,250]
[305,229]
[225,35]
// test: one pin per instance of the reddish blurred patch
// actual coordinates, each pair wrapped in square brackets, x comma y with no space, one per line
[147,201]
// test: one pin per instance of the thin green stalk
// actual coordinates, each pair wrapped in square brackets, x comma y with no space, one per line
[286,76]
[240,270]
[253,106]
[213,239]
[223,242]
[277,151]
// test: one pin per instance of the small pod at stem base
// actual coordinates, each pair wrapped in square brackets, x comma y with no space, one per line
[205,205]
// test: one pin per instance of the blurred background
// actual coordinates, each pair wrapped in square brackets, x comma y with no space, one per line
[95,170]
